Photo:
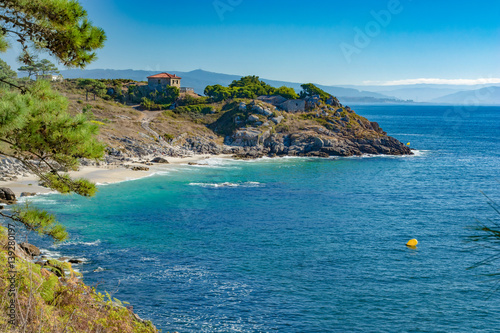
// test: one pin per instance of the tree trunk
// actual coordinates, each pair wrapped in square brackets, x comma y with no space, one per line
[86,95]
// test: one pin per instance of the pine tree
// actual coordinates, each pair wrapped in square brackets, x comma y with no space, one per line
[60,27]
[35,127]
[46,67]
[6,73]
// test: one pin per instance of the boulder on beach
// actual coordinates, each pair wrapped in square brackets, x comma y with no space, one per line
[7,196]
[159,160]
[28,194]
[140,168]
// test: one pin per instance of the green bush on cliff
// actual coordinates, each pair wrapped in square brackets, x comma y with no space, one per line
[194,109]
[247,87]
[310,89]
[47,289]
[46,303]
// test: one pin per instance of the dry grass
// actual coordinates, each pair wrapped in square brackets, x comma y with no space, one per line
[46,303]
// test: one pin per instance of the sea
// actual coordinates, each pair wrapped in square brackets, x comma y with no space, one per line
[306,244]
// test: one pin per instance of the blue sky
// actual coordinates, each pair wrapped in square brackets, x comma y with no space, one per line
[328,42]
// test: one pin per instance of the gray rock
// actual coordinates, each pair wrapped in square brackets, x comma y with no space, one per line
[267,112]
[159,160]
[7,196]
[30,249]
[253,118]
[278,119]
[139,168]
[257,108]
[76,261]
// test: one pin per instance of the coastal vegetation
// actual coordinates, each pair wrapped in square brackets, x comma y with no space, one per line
[202,124]
[37,130]
[50,130]
[42,67]
[247,87]
[53,299]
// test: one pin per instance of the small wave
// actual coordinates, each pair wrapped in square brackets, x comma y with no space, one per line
[81,260]
[227,184]
[99,269]
[144,259]
[50,254]
[95,243]
[214,161]
[42,200]
[219,163]
[419,153]
[416,153]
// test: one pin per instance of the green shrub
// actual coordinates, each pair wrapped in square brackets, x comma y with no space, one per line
[190,100]
[47,289]
[204,109]
[168,137]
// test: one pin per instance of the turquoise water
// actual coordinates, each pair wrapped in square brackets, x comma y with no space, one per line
[305,244]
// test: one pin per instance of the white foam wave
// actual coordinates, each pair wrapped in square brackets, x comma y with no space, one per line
[144,259]
[71,243]
[419,153]
[416,153]
[216,162]
[227,184]
[50,254]
[83,260]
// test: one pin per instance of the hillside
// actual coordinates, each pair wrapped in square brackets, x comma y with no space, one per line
[50,296]
[242,127]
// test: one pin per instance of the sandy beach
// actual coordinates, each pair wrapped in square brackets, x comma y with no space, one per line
[106,174]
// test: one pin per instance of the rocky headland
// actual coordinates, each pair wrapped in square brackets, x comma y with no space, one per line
[240,127]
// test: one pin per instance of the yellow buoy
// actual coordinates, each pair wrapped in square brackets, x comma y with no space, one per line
[412,242]
[408,144]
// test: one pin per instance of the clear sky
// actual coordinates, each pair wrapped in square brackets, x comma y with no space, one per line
[328,42]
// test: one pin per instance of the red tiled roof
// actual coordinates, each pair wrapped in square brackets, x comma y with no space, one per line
[164,76]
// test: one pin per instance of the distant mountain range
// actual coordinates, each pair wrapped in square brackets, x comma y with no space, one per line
[483,96]
[439,93]
[199,79]
[421,93]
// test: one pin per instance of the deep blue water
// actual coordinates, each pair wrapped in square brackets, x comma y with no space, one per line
[304,244]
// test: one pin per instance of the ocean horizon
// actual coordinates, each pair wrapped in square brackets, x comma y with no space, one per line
[304,244]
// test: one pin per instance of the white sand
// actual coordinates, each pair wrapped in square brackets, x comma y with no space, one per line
[107,174]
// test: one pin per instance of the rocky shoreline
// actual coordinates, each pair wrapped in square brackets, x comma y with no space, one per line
[301,145]
[61,267]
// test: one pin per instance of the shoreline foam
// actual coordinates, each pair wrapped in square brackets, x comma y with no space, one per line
[105,175]
[111,174]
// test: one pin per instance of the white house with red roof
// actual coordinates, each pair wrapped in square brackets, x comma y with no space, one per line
[159,81]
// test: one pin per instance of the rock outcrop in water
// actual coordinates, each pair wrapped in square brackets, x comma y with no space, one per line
[323,131]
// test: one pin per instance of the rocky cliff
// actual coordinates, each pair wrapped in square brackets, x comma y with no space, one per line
[244,127]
